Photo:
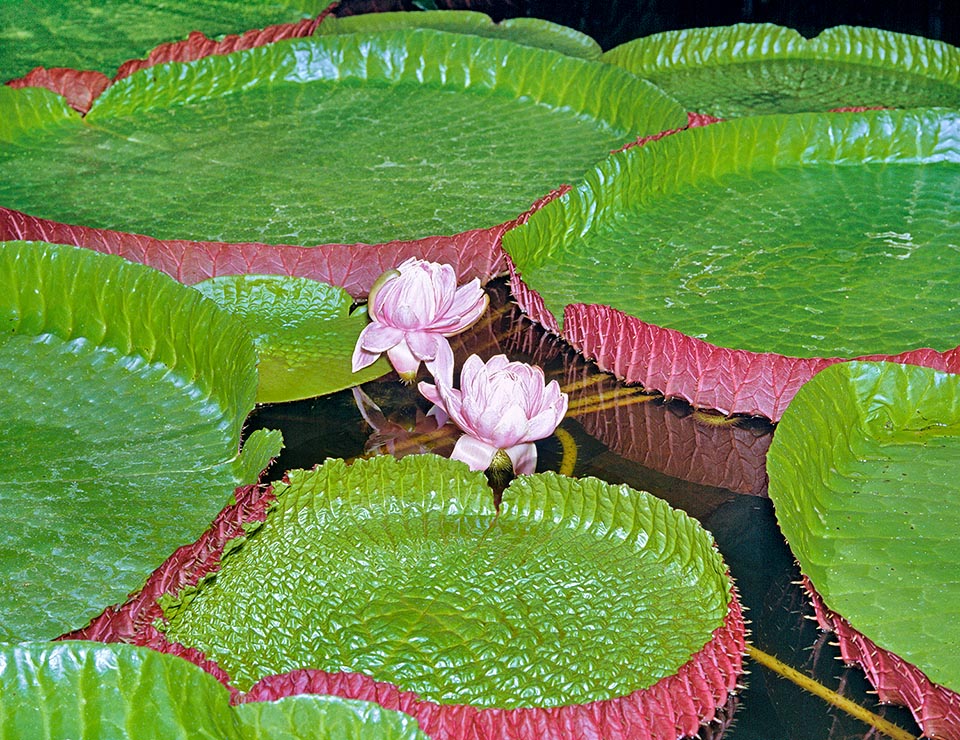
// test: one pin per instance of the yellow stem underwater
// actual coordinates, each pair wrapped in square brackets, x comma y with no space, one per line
[831,697]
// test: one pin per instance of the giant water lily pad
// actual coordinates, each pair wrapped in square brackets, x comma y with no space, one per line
[341,138]
[90,691]
[124,401]
[103,34]
[751,69]
[529,31]
[863,476]
[402,570]
[725,264]
[304,332]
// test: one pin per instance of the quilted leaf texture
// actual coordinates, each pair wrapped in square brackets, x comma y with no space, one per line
[92,691]
[701,264]
[100,41]
[755,69]
[438,633]
[129,387]
[304,332]
[862,476]
[510,116]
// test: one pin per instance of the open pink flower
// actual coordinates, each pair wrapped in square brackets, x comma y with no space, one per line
[412,310]
[501,405]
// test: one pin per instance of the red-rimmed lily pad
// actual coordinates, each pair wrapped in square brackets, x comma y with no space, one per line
[100,35]
[863,476]
[580,605]
[752,69]
[304,331]
[331,140]
[125,397]
[528,31]
[91,691]
[726,264]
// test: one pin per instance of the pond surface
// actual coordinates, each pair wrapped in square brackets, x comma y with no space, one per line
[709,466]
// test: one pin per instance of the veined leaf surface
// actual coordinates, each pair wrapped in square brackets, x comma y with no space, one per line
[303,329]
[863,476]
[754,69]
[335,139]
[403,570]
[91,691]
[123,415]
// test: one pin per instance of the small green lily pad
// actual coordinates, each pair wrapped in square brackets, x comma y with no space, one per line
[125,398]
[92,691]
[863,474]
[753,69]
[303,329]
[403,570]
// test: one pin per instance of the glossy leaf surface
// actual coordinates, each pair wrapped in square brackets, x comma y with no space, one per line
[527,31]
[90,691]
[808,235]
[402,570]
[130,395]
[102,34]
[303,329]
[863,475]
[341,138]
[753,69]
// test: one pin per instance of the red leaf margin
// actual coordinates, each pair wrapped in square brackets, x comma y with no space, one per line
[935,707]
[81,88]
[733,382]
[354,267]
[676,706]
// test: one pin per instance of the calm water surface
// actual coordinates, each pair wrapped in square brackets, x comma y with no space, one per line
[710,467]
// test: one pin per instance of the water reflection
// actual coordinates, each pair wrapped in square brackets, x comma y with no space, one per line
[710,467]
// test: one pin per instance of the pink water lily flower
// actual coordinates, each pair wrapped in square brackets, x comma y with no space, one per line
[500,405]
[413,309]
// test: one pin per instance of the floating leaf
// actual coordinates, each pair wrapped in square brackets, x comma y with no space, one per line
[751,69]
[403,571]
[529,31]
[863,475]
[130,390]
[304,332]
[341,138]
[791,238]
[90,691]
[102,34]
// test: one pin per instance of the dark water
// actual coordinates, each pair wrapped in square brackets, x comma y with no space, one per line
[708,466]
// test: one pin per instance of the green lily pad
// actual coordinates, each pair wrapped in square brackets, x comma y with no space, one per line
[402,570]
[529,31]
[811,235]
[90,691]
[303,329]
[863,476]
[751,69]
[125,390]
[341,138]
[102,34]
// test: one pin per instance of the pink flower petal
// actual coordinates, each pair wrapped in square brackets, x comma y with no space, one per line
[424,344]
[362,358]
[524,458]
[475,453]
[441,366]
[377,337]
[403,361]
